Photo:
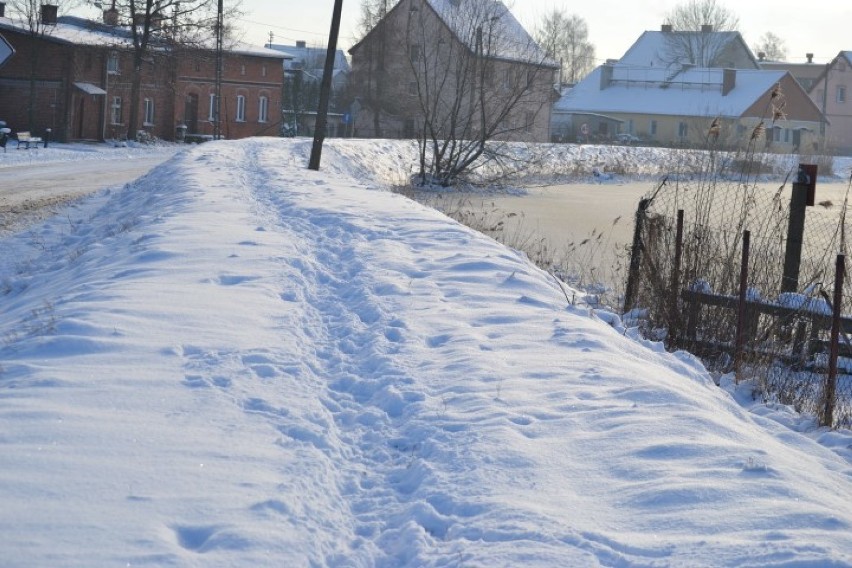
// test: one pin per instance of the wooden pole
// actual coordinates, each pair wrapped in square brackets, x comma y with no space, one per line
[739,344]
[325,89]
[796,230]
[834,349]
[674,330]
[635,256]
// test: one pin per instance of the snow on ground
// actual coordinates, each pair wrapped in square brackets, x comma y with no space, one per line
[76,152]
[235,361]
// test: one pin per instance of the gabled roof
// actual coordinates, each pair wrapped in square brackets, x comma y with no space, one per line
[302,55]
[818,82]
[510,41]
[646,90]
[73,30]
[653,48]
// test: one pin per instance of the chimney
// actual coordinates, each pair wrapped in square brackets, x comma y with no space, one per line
[606,76]
[706,28]
[48,14]
[666,28]
[301,44]
[729,80]
[2,9]
[111,17]
[810,57]
[761,56]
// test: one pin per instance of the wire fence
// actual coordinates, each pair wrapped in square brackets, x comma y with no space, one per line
[685,279]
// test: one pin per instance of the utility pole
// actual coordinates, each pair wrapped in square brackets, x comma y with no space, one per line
[325,92]
[217,124]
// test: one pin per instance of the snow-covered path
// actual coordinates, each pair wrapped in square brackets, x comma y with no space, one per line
[235,361]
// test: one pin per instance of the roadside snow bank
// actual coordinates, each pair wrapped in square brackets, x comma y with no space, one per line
[237,361]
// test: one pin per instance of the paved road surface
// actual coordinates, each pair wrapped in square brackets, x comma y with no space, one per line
[32,191]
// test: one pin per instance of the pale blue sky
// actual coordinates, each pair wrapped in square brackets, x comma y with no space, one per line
[818,26]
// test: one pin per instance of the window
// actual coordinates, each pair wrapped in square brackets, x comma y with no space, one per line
[263,70]
[149,112]
[115,111]
[243,69]
[776,134]
[630,126]
[786,135]
[212,116]
[653,128]
[682,129]
[263,110]
[529,121]
[112,63]
[414,52]
[841,66]
[841,93]
[197,65]
[241,108]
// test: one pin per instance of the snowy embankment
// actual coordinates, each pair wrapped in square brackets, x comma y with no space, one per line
[235,361]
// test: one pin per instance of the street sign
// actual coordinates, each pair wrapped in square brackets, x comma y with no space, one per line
[6,50]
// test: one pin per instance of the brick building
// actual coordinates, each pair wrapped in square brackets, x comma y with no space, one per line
[74,77]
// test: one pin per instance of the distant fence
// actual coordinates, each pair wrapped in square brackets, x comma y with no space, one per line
[748,279]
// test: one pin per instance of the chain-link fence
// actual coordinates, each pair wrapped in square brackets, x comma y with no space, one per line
[686,279]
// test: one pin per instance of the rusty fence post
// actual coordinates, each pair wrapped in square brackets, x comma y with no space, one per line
[834,349]
[635,256]
[739,343]
[674,317]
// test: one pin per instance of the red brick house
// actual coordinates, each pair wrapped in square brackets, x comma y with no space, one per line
[77,73]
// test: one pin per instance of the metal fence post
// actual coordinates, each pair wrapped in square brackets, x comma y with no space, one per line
[834,349]
[635,256]
[802,196]
[739,343]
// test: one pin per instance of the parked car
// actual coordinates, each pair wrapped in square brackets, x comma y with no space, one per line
[626,138]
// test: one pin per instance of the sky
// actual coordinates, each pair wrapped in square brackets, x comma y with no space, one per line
[229,362]
[820,27]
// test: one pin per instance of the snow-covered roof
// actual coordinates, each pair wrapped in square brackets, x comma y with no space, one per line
[654,48]
[77,31]
[302,57]
[510,40]
[646,90]
[80,31]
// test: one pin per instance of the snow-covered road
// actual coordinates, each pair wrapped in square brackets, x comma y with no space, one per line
[35,183]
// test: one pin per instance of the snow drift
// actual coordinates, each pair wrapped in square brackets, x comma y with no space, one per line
[235,361]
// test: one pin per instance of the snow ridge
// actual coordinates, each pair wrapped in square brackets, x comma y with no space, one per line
[237,361]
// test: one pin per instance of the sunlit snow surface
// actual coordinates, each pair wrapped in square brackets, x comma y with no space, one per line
[235,361]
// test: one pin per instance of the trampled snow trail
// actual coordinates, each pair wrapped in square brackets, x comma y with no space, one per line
[236,361]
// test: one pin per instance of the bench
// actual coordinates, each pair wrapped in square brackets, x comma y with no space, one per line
[28,139]
[4,135]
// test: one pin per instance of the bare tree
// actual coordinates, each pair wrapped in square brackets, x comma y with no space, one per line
[373,12]
[476,77]
[159,28]
[372,76]
[772,47]
[565,38]
[29,14]
[694,39]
